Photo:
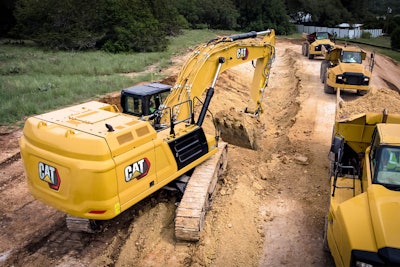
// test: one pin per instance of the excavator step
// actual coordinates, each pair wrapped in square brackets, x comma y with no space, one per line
[196,200]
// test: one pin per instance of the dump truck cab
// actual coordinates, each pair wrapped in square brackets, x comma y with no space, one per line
[362,226]
[385,157]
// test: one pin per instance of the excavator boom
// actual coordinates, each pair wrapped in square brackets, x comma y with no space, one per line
[209,60]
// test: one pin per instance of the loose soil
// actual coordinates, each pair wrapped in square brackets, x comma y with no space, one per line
[269,208]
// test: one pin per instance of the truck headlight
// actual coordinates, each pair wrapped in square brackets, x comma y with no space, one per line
[363,264]
[366,80]
[362,258]
[339,79]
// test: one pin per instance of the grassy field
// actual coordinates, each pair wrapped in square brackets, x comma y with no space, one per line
[33,81]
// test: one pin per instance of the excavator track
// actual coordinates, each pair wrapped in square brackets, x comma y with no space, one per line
[190,214]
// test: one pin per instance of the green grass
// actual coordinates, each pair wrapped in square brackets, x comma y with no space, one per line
[383,41]
[34,81]
[380,45]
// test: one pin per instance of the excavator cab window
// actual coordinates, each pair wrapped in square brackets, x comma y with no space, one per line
[388,164]
[133,106]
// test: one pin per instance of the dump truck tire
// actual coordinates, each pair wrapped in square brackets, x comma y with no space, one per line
[322,73]
[328,89]
[305,49]
[325,245]
[362,92]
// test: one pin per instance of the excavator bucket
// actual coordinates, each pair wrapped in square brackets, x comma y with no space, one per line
[239,128]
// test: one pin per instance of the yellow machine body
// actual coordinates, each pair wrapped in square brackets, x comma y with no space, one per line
[92,161]
[76,165]
[344,68]
[315,43]
[364,211]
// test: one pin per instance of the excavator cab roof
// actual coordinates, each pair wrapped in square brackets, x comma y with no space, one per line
[147,89]
[144,99]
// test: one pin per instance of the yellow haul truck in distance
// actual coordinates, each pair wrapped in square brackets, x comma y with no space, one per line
[315,43]
[93,162]
[362,227]
[343,68]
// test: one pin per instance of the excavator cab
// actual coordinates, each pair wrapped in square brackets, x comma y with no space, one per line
[145,99]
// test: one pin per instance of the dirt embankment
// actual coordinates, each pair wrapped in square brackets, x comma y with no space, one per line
[269,209]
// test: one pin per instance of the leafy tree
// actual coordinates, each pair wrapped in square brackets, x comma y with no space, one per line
[214,14]
[357,8]
[113,25]
[7,20]
[131,26]
[166,12]
[68,24]
[395,39]
[264,14]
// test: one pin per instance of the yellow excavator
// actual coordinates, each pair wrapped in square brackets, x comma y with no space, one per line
[93,162]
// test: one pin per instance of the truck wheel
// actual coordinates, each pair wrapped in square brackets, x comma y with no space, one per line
[362,92]
[328,89]
[322,73]
[303,49]
[325,245]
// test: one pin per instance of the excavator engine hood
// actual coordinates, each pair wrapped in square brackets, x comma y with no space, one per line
[79,151]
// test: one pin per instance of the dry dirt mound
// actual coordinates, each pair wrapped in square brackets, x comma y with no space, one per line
[376,100]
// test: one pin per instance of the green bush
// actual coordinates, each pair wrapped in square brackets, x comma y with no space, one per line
[366,35]
[395,38]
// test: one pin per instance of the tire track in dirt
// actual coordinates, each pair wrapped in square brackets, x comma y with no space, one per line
[296,175]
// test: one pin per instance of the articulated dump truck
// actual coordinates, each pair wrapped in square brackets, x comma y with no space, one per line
[346,68]
[363,223]
[315,42]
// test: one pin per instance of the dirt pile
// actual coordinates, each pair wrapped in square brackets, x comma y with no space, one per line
[376,100]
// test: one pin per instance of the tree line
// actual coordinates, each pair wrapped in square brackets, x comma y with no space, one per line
[145,25]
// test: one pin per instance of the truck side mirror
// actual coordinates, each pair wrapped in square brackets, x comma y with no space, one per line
[336,144]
